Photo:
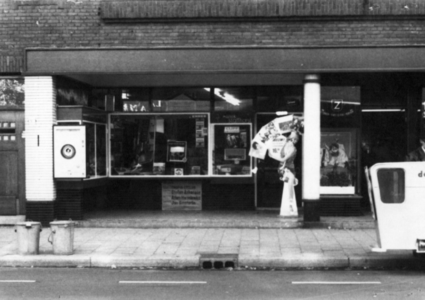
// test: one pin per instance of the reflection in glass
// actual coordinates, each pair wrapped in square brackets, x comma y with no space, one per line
[141,145]
[12,92]
[233,99]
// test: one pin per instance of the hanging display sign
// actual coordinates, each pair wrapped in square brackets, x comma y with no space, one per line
[136,106]
[340,101]
[182,195]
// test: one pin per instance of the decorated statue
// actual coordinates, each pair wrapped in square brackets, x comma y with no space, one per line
[278,139]
[286,169]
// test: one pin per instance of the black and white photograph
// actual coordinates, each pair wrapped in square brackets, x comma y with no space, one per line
[212,149]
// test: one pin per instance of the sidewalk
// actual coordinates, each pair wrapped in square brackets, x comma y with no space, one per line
[182,248]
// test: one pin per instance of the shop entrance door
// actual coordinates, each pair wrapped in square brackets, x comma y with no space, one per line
[268,186]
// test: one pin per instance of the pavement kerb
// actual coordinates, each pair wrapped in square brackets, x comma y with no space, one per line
[293,261]
[68,261]
[387,261]
[145,262]
[296,261]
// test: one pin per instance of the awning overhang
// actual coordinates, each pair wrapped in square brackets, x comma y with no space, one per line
[122,67]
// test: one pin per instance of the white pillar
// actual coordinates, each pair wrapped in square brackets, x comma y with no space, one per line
[40,116]
[311,148]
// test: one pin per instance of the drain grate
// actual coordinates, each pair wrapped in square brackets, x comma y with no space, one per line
[218,261]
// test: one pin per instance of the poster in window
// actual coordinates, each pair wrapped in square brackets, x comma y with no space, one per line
[338,161]
[176,151]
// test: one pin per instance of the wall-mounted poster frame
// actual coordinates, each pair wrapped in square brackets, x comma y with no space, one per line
[230,144]
[339,161]
[176,151]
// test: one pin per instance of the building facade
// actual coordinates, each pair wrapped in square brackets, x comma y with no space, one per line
[163,99]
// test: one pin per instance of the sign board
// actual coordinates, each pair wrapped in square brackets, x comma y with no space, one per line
[182,195]
[69,151]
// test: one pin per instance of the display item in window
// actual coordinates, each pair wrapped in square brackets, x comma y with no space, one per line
[337,156]
[335,164]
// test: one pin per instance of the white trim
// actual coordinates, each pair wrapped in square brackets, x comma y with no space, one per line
[69,121]
[337,190]
[40,117]
[383,110]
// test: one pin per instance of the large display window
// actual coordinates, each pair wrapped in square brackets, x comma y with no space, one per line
[230,148]
[167,145]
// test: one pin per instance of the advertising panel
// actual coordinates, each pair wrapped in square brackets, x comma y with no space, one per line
[69,151]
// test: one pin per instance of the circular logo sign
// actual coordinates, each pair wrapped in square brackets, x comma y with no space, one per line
[68,151]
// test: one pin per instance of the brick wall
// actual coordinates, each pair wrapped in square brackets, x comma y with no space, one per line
[81,23]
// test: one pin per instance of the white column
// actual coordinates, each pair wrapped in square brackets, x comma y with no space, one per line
[40,116]
[311,143]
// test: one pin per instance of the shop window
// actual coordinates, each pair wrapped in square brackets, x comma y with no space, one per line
[12,92]
[383,136]
[338,164]
[180,99]
[391,185]
[233,99]
[230,149]
[339,152]
[95,150]
[159,144]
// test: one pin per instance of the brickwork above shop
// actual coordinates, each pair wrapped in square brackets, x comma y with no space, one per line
[82,24]
[229,9]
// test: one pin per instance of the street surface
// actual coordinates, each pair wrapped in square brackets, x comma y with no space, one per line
[55,283]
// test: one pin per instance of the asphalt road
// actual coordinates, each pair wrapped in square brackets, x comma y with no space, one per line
[53,283]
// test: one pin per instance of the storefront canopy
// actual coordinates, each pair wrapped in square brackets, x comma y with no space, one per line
[227,66]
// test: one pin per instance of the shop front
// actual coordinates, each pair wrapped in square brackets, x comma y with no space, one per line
[171,129]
